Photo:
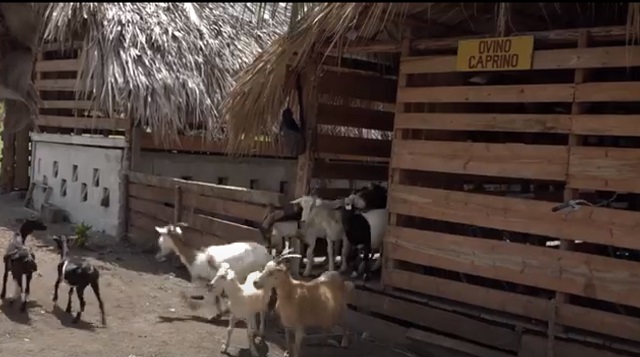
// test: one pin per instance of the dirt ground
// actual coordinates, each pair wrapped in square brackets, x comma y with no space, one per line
[145,315]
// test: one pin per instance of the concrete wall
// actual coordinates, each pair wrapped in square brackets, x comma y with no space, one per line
[239,172]
[87,154]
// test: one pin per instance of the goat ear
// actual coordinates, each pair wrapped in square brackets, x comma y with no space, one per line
[178,230]
[162,230]
[318,201]
[297,201]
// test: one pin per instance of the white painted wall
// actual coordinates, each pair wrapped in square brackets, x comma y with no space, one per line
[88,153]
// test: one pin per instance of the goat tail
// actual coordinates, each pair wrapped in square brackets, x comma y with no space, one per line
[191,303]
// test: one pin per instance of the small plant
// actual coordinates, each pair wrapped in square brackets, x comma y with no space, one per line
[82,231]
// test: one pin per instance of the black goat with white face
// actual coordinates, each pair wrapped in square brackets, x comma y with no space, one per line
[21,262]
[78,275]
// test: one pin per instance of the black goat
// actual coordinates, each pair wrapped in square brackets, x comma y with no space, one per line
[78,275]
[372,196]
[21,262]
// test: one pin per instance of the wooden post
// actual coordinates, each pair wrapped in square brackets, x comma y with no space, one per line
[394,174]
[177,204]
[306,160]
[574,140]
[123,212]
[7,171]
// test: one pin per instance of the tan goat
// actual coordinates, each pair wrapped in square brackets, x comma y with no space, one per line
[321,302]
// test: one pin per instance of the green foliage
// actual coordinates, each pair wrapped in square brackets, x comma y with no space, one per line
[82,232]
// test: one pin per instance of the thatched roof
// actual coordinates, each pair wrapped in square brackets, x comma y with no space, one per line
[252,108]
[165,65]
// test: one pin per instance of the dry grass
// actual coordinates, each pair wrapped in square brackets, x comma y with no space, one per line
[253,107]
[166,65]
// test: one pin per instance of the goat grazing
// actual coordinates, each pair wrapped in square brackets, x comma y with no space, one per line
[203,264]
[321,302]
[21,262]
[78,275]
[279,226]
[245,301]
[321,219]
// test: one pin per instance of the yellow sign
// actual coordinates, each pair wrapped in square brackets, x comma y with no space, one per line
[495,54]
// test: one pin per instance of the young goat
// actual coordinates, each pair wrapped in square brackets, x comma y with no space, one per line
[203,264]
[78,275]
[245,301]
[321,219]
[321,302]
[21,262]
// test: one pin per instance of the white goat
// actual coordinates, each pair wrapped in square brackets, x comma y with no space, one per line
[321,219]
[321,302]
[203,264]
[245,301]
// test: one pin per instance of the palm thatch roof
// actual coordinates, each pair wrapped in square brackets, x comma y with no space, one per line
[166,65]
[252,108]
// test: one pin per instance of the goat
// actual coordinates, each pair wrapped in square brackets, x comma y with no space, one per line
[77,275]
[279,226]
[203,264]
[372,196]
[245,301]
[366,230]
[321,302]
[321,219]
[21,262]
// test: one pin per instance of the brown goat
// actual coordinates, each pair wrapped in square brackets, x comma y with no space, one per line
[321,302]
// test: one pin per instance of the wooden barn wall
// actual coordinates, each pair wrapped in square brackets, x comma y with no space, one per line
[476,169]
[216,214]
[354,96]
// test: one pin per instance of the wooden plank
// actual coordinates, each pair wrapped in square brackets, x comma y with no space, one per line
[349,171]
[358,86]
[606,124]
[227,231]
[603,168]
[608,92]
[591,224]
[532,93]
[200,144]
[334,144]
[544,162]
[522,305]
[535,346]
[206,203]
[67,104]
[63,65]
[208,189]
[454,344]
[83,123]
[57,46]
[57,84]
[593,276]
[446,322]
[569,58]
[526,123]
[354,117]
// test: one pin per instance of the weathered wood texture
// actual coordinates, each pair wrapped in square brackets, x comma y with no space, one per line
[206,208]
[525,135]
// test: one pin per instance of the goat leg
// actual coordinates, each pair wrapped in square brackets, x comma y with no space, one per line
[68,309]
[287,337]
[346,248]
[331,255]
[55,289]
[96,290]
[262,321]
[80,293]
[232,323]
[17,290]
[27,291]
[378,263]
[4,278]
[297,344]
[251,330]
[310,249]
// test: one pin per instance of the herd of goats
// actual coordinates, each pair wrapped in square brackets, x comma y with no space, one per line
[243,278]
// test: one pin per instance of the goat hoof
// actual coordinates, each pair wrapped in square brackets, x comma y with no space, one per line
[215,317]
[68,310]
[286,354]
[223,349]
[23,307]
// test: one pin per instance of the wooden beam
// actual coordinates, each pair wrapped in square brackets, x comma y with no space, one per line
[523,123]
[608,92]
[67,104]
[349,171]
[532,93]
[64,65]
[354,117]
[357,86]
[592,276]
[534,346]
[83,123]
[346,145]
[57,84]
[569,58]
[590,224]
[543,162]
[605,124]
[603,168]
[471,349]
